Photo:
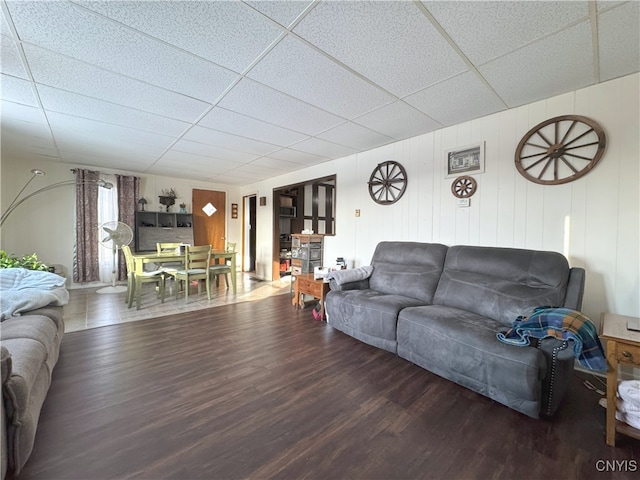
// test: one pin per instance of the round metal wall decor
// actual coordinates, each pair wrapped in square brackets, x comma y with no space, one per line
[464,187]
[387,183]
[560,150]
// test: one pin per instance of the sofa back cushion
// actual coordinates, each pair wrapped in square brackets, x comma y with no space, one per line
[501,283]
[410,269]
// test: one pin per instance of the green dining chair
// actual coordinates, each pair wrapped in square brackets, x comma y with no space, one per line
[196,267]
[157,276]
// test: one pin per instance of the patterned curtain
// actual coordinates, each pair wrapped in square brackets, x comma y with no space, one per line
[128,194]
[85,261]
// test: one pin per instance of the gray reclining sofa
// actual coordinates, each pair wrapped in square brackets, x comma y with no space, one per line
[440,308]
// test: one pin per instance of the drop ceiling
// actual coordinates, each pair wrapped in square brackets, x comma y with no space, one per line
[234,92]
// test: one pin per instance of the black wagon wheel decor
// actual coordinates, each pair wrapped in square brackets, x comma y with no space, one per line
[387,183]
[560,150]
[464,187]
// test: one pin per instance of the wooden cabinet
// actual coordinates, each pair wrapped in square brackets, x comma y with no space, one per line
[155,227]
[306,253]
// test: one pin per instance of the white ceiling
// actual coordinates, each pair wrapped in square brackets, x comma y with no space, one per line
[237,91]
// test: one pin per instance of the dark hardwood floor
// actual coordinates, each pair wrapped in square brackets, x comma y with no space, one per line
[260,390]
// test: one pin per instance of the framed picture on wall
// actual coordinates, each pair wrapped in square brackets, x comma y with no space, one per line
[467,160]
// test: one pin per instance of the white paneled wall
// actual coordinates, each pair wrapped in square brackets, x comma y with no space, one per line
[594,220]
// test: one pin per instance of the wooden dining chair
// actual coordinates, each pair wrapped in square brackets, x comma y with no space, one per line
[157,276]
[174,247]
[216,269]
[196,267]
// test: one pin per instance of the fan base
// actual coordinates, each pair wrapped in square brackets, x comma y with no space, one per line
[117,289]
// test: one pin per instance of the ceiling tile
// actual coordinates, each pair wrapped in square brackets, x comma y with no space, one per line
[115,133]
[254,172]
[68,74]
[473,99]
[261,102]
[210,164]
[229,141]
[282,12]
[212,151]
[549,67]
[229,179]
[17,90]
[298,157]
[232,122]
[355,136]
[102,160]
[10,60]
[217,31]
[619,40]
[398,120]
[62,101]
[15,112]
[486,30]
[320,147]
[276,164]
[4,26]
[121,49]
[300,71]
[26,132]
[392,43]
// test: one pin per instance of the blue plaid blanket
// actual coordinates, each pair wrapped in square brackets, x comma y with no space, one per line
[564,324]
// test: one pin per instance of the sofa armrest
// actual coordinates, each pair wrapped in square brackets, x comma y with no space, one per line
[575,289]
[559,372]
[359,285]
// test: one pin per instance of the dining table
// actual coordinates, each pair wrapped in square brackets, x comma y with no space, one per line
[142,258]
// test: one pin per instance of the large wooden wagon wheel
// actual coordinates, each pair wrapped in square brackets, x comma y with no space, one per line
[387,183]
[560,150]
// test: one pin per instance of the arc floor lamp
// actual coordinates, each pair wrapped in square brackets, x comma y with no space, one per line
[17,201]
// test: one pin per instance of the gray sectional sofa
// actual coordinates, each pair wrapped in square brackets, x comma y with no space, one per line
[29,348]
[440,308]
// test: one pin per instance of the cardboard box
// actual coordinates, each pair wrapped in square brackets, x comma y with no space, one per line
[286,201]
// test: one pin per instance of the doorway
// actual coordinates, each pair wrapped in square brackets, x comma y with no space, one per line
[308,205]
[249,232]
[209,230]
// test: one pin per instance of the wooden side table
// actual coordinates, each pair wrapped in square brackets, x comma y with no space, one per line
[623,346]
[305,284]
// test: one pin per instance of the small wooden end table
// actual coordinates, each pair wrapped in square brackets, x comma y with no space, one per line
[623,346]
[306,284]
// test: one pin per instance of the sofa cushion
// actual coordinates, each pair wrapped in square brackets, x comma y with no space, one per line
[462,346]
[367,315]
[409,269]
[501,283]
[24,393]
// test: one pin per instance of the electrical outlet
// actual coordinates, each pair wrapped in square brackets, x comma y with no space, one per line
[357,212]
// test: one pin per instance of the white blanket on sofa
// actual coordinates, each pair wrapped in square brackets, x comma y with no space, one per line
[22,290]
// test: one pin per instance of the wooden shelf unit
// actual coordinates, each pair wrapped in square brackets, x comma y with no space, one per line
[161,227]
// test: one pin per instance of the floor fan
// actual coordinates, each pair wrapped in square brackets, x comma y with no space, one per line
[114,235]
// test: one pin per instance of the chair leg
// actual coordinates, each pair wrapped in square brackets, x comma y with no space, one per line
[162,287]
[226,280]
[208,285]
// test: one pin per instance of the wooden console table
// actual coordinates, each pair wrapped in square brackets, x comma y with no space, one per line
[623,346]
[305,284]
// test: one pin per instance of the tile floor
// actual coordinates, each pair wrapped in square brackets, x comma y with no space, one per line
[89,309]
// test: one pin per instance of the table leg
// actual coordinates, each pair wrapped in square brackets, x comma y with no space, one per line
[612,384]
[138,291]
[233,272]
